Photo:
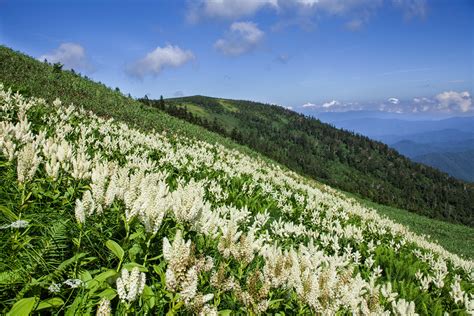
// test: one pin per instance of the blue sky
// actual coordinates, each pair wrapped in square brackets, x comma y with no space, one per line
[410,56]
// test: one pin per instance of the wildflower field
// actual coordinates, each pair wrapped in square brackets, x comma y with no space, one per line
[100,218]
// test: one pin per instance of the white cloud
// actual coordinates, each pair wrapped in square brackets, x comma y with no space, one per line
[161,57]
[309,105]
[454,101]
[337,7]
[230,9]
[330,104]
[71,55]
[393,100]
[300,12]
[242,37]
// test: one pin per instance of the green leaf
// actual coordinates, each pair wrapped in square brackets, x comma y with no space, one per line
[85,276]
[23,307]
[105,275]
[52,302]
[225,312]
[108,294]
[74,308]
[129,266]
[149,296]
[8,213]
[115,248]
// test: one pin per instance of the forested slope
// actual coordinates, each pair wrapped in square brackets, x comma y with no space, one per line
[342,159]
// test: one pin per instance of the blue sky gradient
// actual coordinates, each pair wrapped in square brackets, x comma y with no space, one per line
[347,55]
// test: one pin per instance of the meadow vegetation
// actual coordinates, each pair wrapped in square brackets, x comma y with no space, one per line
[98,217]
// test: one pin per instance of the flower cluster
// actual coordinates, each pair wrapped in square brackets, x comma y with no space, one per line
[130,285]
[183,272]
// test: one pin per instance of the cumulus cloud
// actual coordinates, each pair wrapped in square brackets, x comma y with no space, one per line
[301,12]
[71,55]
[158,59]
[230,9]
[330,104]
[454,101]
[241,38]
[447,102]
[393,100]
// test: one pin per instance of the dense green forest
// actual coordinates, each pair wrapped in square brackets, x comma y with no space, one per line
[339,158]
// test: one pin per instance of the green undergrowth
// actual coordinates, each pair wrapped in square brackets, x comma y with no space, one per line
[455,238]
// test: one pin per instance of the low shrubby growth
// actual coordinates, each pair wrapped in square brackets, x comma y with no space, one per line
[101,218]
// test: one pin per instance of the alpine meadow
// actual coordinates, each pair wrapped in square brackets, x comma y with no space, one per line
[120,194]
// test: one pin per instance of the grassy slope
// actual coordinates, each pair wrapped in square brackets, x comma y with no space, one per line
[38,79]
[32,78]
[453,237]
[349,162]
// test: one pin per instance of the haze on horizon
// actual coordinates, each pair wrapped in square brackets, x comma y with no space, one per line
[399,56]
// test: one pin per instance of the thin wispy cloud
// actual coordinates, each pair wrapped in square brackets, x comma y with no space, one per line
[402,71]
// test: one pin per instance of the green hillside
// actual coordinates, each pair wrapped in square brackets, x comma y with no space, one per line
[31,77]
[339,158]
[134,212]
[99,218]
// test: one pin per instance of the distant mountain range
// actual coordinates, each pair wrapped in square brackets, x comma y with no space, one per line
[446,144]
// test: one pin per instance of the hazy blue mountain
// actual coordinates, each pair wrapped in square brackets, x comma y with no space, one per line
[412,149]
[378,128]
[331,117]
[446,144]
[457,164]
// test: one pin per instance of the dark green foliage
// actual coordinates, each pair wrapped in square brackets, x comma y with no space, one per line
[339,158]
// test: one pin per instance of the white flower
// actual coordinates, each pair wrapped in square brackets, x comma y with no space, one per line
[456,292]
[130,285]
[403,308]
[386,291]
[54,287]
[79,212]
[189,286]
[28,162]
[19,224]
[104,308]
[73,283]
